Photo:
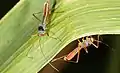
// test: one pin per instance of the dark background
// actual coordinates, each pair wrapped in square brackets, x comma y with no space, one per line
[6,5]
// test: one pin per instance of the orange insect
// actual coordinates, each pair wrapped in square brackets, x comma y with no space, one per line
[81,45]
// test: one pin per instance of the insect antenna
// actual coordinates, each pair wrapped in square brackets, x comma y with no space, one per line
[105,44]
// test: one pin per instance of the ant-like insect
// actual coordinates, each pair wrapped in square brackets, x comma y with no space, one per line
[86,42]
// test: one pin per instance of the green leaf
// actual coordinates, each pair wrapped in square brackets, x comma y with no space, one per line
[21,53]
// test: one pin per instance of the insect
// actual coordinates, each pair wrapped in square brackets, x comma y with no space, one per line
[42,28]
[46,14]
[81,45]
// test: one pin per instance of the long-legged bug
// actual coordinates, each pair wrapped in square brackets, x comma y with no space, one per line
[81,45]
[42,28]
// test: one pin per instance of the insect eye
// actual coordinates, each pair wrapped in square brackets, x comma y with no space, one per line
[40,28]
[85,38]
[89,37]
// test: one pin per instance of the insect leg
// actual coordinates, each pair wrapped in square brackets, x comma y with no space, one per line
[62,57]
[36,16]
[98,40]
[47,59]
[105,44]
[54,8]
[28,53]
[85,49]
[58,58]
[53,67]
[94,45]
[52,36]
[78,52]
[31,48]
[78,56]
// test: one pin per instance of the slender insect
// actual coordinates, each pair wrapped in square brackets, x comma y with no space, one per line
[81,45]
[42,28]
[46,13]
